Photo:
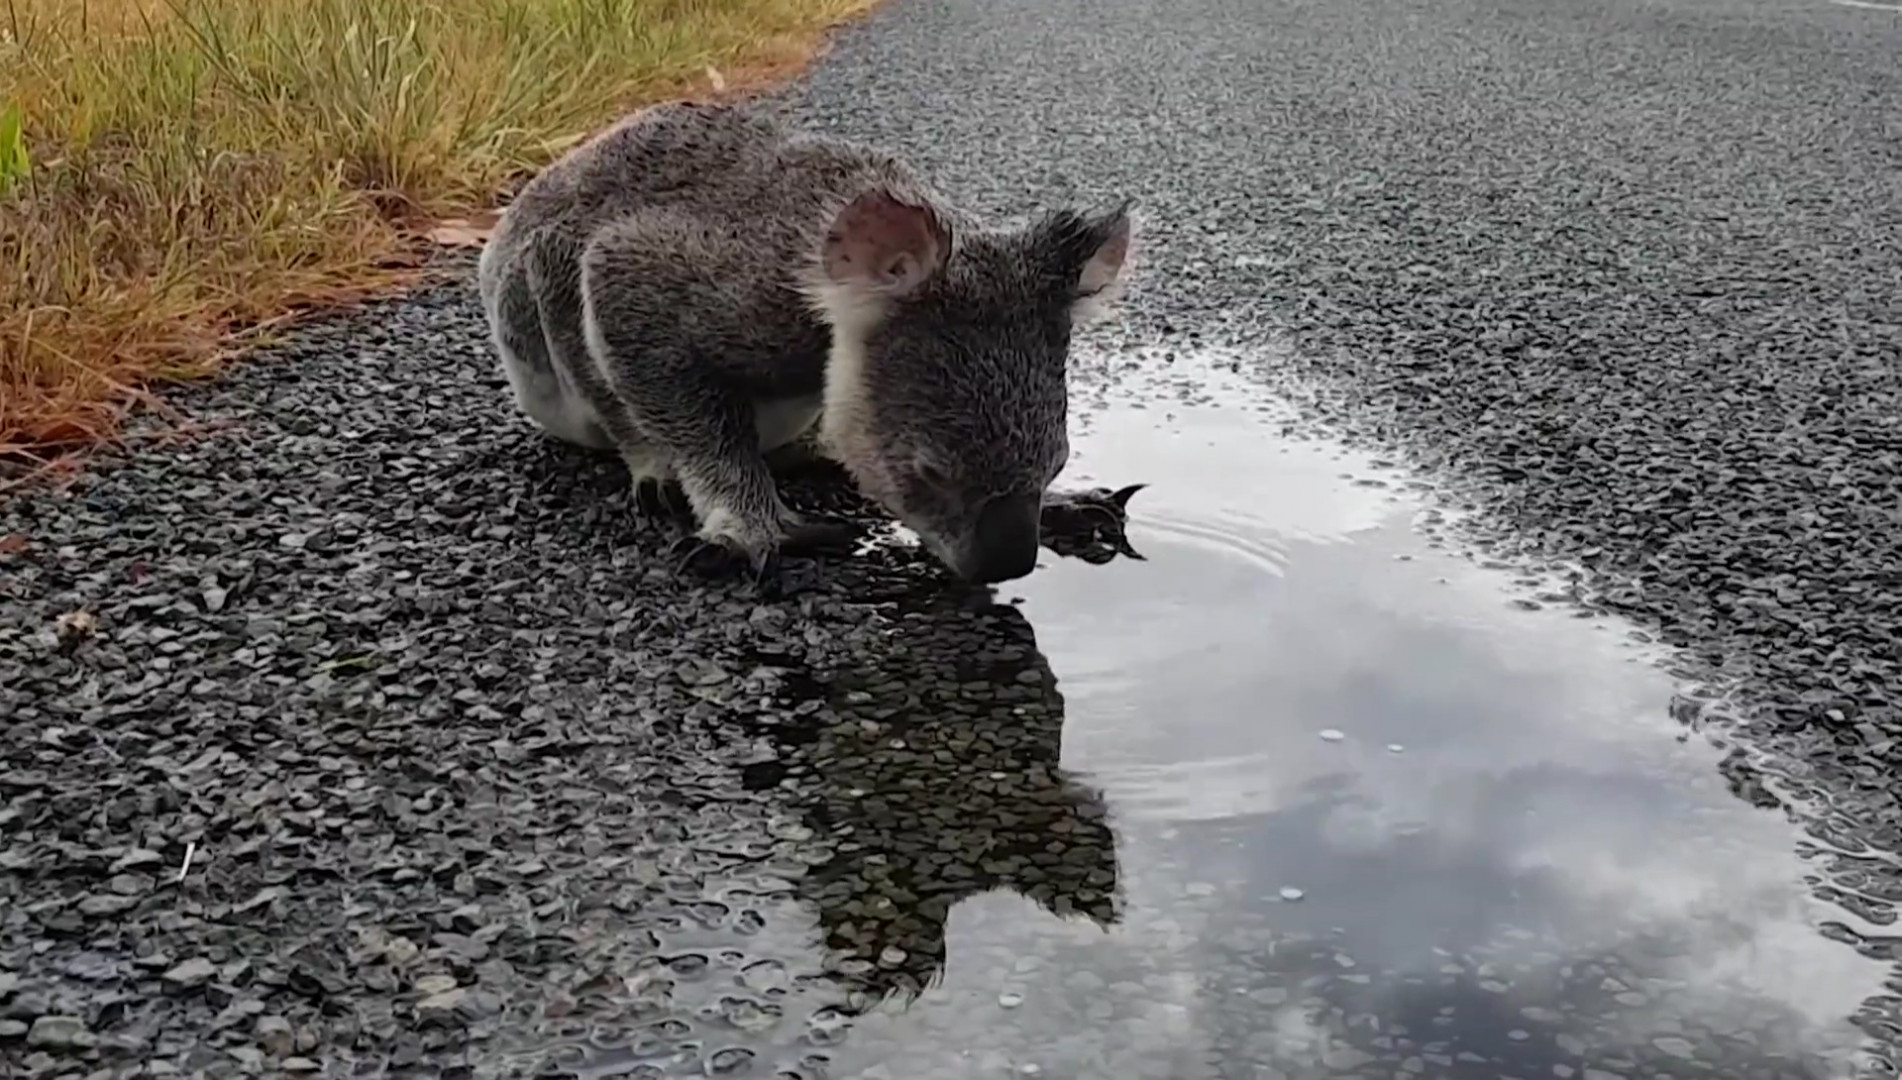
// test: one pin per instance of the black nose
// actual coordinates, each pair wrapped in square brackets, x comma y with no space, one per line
[1005,542]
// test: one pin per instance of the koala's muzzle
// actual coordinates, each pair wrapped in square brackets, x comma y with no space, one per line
[1003,545]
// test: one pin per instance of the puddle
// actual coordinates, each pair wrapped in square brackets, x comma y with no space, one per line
[1372,814]
[1301,795]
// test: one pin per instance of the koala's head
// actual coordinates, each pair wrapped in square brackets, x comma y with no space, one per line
[947,391]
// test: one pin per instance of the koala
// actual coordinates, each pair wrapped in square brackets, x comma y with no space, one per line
[696,287]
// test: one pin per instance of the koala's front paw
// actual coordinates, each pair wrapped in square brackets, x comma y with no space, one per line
[1089,525]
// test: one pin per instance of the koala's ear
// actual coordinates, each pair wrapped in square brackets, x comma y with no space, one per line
[1113,232]
[882,247]
[1094,256]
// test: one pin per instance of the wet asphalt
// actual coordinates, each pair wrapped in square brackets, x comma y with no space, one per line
[386,743]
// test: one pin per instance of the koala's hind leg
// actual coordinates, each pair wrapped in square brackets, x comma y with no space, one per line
[541,393]
[572,391]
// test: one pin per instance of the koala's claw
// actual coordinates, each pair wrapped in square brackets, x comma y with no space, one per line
[722,560]
[663,499]
[1089,524]
[821,536]
[715,559]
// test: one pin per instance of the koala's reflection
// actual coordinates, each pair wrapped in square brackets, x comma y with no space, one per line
[933,776]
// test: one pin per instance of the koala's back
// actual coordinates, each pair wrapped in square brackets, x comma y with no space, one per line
[731,172]
[711,211]
[683,155]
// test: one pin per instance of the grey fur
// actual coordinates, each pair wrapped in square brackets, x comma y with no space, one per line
[696,286]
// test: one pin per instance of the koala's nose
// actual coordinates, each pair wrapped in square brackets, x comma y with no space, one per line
[1004,545]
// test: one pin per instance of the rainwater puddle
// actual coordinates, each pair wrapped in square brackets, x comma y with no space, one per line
[1299,796]
[1365,814]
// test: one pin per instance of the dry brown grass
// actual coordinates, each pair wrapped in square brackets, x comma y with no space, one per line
[197,172]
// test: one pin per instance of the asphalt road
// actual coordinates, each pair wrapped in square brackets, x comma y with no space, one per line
[391,726]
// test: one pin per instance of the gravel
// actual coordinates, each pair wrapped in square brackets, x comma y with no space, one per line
[365,732]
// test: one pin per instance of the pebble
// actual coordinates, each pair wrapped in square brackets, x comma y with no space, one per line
[1291,894]
[103,904]
[275,1035]
[59,1033]
[1332,734]
[1675,1046]
[430,985]
[447,1001]
[191,973]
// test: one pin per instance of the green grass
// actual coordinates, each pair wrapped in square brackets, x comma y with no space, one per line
[180,177]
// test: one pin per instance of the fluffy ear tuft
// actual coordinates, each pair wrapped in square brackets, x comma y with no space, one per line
[1093,253]
[1103,270]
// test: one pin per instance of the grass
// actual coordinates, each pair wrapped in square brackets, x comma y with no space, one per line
[180,179]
